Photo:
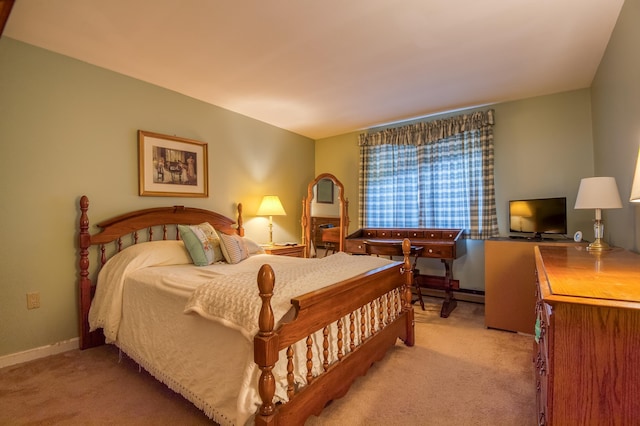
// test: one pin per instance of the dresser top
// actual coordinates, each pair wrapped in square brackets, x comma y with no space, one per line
[573,271]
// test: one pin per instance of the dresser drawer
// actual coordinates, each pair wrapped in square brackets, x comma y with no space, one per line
[433,235]
[355,246]
[542,385]
[542,362]
[384,233]
[449,235]
[438,251]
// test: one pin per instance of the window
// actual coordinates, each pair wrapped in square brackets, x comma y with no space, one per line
[436,174]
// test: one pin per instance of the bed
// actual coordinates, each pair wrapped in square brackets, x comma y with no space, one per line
[265,340]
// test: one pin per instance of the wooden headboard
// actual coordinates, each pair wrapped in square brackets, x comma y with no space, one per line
[140,226]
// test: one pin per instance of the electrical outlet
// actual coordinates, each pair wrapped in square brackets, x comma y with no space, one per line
[33,300]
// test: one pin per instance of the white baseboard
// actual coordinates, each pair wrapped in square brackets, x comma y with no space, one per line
[41,352]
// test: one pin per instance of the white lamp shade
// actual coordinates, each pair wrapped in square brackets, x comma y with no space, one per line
[598,193]
[635,187]
[271,206]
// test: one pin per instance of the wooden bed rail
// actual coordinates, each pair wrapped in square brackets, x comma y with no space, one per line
[134,223]
[369,316]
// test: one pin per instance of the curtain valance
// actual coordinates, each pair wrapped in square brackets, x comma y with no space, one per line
[428,131]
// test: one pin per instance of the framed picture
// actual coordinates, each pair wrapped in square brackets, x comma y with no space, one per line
[169,166]
[325,191]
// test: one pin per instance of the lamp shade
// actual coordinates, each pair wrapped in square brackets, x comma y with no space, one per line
[635,187]
[271,206]
[598,193]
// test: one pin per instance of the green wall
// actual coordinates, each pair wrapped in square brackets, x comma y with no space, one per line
[616,123]
[68,128]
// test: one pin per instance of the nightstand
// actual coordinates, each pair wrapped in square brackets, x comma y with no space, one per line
[293,251]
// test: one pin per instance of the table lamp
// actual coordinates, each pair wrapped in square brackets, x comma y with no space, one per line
[598,193]
[271,206]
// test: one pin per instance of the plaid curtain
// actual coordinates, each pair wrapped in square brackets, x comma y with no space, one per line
[436,174]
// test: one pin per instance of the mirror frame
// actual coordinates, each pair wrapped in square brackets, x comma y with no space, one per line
[306,212]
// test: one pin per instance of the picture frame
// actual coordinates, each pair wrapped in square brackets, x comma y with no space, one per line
[324,191]
[170,166]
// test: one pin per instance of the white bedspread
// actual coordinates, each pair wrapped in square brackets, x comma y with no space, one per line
[106,307]
[144,291]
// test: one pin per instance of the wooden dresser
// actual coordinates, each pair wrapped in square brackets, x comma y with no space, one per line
[587,351]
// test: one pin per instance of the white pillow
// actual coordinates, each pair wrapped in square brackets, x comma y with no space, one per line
[252,246]
[233,248]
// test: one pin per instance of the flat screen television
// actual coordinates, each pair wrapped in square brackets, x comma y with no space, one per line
[538,216]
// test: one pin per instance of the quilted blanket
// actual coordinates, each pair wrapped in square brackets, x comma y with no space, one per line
[233,299]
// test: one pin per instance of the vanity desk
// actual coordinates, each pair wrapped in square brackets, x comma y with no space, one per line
[587,349]
[444,244]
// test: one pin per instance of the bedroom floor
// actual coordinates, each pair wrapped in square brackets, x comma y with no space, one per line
[459,373]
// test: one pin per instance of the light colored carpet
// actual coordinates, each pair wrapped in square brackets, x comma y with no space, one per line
[459,373]
[90,388]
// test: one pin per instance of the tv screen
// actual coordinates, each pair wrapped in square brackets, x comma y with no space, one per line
[538,216]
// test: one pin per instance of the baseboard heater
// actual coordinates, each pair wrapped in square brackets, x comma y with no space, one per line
[461,294]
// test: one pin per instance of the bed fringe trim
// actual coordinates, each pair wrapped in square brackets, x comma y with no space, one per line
[202,405]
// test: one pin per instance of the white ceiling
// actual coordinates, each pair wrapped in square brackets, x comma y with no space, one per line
[327,67]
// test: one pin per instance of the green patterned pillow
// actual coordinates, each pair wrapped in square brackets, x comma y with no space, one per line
[202,243]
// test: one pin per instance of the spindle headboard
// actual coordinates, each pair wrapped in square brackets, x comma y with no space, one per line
[140,226]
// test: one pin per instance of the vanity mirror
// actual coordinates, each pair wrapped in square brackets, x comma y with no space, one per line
[325,217]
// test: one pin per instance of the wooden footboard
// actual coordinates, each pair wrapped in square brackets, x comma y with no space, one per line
[370,312]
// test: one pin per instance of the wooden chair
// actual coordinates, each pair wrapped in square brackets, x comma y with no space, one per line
[394,248]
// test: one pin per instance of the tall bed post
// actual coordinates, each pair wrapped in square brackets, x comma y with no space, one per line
[407,270]
[265,346]
[239,221]
[96,338]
